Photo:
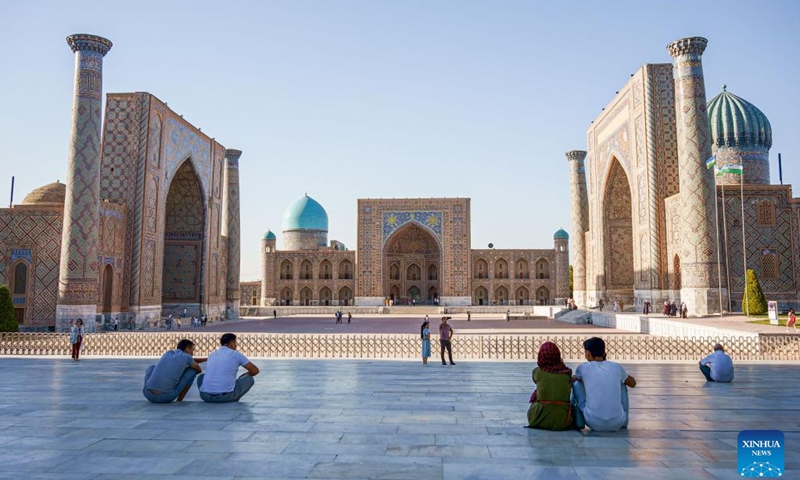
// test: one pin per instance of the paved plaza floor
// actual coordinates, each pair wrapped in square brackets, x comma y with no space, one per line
[344,419]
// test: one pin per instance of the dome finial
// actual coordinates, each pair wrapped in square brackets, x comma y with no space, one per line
[724,88]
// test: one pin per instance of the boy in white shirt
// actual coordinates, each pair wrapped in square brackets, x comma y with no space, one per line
[218,384]
[600,392]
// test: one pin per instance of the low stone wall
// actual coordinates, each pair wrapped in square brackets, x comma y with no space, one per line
[396,346]
[546,311]
[663,327]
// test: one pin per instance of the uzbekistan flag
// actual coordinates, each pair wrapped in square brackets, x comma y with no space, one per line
[734,169]
[712,160]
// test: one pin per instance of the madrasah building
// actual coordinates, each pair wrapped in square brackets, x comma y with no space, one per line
[410,251]
[146,224]
[650,220]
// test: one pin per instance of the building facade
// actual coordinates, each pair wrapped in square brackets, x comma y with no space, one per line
[147,223]
[410,251]
[659,209]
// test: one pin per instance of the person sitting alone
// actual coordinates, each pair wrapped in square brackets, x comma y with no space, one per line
[550,404]
[173,375]
[218,384]
[718,366]
[600,392]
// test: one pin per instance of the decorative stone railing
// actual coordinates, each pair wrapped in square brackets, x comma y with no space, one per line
[396,346]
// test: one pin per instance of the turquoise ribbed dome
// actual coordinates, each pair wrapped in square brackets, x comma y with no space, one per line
[735,122]
[561,234]
[305,214]
[269,236]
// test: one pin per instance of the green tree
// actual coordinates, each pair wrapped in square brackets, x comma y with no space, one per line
[753,301]
[570,282]
[8,322]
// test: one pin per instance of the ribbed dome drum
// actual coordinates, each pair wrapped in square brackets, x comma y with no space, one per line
[740,135]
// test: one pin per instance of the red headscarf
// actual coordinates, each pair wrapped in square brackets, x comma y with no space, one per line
[549,359]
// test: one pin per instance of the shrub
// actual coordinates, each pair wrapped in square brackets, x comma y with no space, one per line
[8,322]
[753,301]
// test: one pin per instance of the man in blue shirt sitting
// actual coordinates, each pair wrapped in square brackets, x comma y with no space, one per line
[173,375]
[717,367]
[219,383]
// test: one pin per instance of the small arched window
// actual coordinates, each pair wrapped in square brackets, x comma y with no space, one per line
[769,266]
[766,214]
[21,278]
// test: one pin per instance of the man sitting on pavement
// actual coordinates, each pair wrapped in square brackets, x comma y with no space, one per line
[219,383]
[600,390]
[718,366]
[173,375]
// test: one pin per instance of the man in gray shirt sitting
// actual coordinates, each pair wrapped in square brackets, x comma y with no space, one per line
[173,375]
[219,383]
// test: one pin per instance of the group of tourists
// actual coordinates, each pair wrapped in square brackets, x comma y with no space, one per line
[171,378]
[338,316]
[595,395]
[671,309]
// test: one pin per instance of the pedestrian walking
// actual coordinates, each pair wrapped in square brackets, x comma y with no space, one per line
[792,320]
[76,338]
[116,324]
[616,306]
[349,317]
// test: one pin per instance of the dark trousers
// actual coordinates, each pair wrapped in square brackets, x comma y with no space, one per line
[446,344]
[76,349]
[706,372]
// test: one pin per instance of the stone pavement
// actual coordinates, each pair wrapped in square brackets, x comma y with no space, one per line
[376,420]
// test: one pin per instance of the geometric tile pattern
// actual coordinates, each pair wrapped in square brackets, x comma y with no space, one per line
[698,239]
[447,219]
[38,231]
[232,229]
[580,220]
[79,269]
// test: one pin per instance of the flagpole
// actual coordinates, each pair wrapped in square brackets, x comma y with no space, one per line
[719,257]
[727,257]
[744,245]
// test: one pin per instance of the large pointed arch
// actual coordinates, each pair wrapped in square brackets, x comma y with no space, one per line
[618,233]
[410,254]
[184,239]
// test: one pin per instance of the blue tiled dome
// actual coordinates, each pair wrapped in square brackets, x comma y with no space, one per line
[305,214]
[269,236]
[561,234]
[735,122]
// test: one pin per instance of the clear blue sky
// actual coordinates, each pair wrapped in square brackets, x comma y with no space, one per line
[370,99]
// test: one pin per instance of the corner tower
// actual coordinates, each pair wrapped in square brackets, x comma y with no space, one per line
[231,228]
[698,244]
[561,245]
[79,268]
[580,223]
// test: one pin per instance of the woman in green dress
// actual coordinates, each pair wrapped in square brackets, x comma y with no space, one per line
[550,406]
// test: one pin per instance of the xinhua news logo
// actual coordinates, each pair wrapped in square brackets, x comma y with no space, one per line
[761,453]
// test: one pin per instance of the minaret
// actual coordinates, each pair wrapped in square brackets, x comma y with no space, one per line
[580,223]
[80,266]
[561,246]
[231,229]
[698,245]
[267,267]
